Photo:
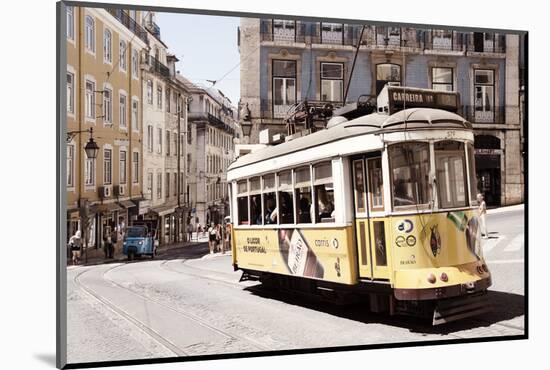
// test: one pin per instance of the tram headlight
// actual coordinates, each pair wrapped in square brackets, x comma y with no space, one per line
[444,278]
[431,278]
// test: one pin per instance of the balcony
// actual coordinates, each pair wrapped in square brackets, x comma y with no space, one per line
[203,117]
[156,66]
[473,115]
[154,29]
[129,23]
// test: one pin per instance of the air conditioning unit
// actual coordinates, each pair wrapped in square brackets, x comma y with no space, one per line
[120,190]
[105,192]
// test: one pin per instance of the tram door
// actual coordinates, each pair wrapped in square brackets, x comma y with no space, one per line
[369,216]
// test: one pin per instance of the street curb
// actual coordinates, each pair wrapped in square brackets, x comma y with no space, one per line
[516,207]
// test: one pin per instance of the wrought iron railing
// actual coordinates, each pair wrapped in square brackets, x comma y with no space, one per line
[129,23]
[484,115]
[157,66]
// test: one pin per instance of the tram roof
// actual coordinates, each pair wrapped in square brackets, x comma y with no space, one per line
[375,123]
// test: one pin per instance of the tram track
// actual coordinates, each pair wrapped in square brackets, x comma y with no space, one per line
[166,343]
[231,337]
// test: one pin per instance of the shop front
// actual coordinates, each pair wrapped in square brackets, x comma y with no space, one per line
[488,157]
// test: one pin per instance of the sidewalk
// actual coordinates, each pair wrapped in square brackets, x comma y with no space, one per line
[517,207]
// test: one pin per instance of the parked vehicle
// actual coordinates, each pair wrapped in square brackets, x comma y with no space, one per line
[139,240]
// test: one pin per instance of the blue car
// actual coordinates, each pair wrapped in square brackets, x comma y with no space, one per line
[139,241]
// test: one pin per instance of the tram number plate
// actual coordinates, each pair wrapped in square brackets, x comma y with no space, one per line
[451,134]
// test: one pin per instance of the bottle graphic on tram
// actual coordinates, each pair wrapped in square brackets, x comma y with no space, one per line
[298,255]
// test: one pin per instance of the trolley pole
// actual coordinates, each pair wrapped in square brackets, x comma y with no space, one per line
[353,64]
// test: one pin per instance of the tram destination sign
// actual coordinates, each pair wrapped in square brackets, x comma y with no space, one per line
[399,98]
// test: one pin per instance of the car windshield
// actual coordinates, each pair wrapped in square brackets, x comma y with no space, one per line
[136,232]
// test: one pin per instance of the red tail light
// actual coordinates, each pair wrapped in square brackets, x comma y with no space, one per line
[431,278]
[444,277]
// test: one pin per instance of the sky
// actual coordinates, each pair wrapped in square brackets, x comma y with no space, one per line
[207,48]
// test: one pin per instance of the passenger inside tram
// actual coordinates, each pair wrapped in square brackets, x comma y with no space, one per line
[325,202]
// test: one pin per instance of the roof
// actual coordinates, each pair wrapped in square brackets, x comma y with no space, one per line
[375,123]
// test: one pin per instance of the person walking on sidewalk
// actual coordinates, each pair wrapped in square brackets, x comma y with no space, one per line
[107,242]
[114,239]
[227,238]
[211,238]
[218,237]
[482,210]
[75,243]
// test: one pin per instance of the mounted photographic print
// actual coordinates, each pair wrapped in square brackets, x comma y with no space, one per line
[239,185]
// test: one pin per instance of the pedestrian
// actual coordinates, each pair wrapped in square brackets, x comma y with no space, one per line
[75,243]
[114,239]
[482,210]
[106,241]
[227,239]
[218,237]
[189,232]
[211,238]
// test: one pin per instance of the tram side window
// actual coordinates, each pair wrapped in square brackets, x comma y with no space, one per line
[473,177]
[268,194]
[376,190]
[359,185]
[255,201]
[285,209]
[324,193]
[450,171]
[410,164]
[242,202]
[302,189]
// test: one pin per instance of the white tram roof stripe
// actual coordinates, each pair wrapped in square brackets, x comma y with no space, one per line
[348,137]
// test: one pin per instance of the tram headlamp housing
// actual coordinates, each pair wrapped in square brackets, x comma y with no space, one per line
[431,278]
[444,277]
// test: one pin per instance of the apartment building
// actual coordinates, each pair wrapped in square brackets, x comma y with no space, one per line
[104,94]
[287,61]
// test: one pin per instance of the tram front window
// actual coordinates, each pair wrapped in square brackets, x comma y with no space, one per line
[410,164]
[451,173]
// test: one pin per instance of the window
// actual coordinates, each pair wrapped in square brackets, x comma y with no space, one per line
[70,22]
[159,97]
[89,175]
[484,90]
[442,79]
[285,194]
[159,138]
[376,189]
[189,136]
[122,111]
[388,36]
[176,148]
[181,145]
[167,143]
[107,46]
[150,184]
[175,184]
[442,39]
[89,40]
[122,53]
[242,202]
[302,189]
[332,81]
[167,184]
[410,168]
[387,74]
[70,165]
[135,113]
[332,33]
[284,30]
[168,95]
[149,91]
[472,174]
[181,182]
[107,167]
[135,61]
[451,173]
[107,105]
[284,86]
[90,99]
[70,92]
[188,162]
[324,193]
[360,185]
[122,167]
[150,138]
[255,201]
[135,168]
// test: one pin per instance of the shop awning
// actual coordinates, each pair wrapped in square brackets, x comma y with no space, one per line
[163,211]
[126,204]
[105,208]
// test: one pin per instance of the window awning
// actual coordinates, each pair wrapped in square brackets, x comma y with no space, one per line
[162,211]
[126,204]
[105,208]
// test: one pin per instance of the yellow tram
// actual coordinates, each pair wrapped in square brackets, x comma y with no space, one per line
[382,206]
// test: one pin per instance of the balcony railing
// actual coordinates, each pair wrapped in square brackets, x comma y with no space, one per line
[129,23]
[495,115]
[211,119]
[157,66]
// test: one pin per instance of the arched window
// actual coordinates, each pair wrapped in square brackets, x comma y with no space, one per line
[90,34]
[387,73]
[107,46]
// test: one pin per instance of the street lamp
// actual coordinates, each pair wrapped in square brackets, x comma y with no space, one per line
[246,124]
